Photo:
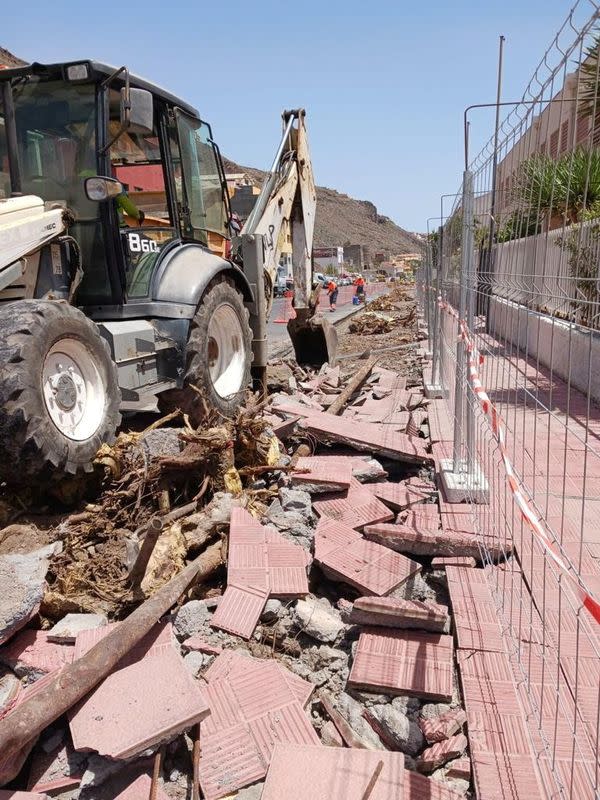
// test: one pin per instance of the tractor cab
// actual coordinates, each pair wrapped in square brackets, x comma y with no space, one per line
[135,168]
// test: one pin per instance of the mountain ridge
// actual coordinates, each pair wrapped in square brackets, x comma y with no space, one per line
[344,220]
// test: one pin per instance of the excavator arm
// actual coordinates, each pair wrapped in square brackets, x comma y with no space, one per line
[286,207]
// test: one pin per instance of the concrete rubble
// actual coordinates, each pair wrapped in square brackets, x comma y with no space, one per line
[319,642]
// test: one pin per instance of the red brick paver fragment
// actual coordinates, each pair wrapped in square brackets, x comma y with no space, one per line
[404,662]
[419,787]
[8,794]
[366,436]
[140,790]
[261,563]
[31,651]
[255,704]
[200,645]
[345,555]
[460,768]
[399,496]
[422,542]
[441,562]
[331,773]
[326,473]
[436,729]
[441,752]
[148,698]
[393,613]
[355,507]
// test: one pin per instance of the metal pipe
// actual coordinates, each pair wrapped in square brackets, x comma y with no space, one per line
[496,136]
[459,390]
[470,278]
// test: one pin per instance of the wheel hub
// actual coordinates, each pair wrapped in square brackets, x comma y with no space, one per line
[65,391]
[225,351]
[73,389]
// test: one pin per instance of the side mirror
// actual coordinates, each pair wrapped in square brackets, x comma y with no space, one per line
[99,188]
[137,110]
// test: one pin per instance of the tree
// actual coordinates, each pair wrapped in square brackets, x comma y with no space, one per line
[589,91]
[567,186]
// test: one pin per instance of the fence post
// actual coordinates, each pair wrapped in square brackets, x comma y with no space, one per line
[435,389]
[461,475]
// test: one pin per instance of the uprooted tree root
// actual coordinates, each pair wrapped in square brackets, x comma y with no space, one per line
[93,571]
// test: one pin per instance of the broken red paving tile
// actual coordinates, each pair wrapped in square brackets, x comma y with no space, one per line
[330,736]
[325,472]
[8,794]
[200,645]
[239,610]
[440,562]
[246,721]
[397,496]
[406,539]
[356,507]
[229,761]
[420,787]
[367,566]
[366,436]
[260,563]
[140,790]
[307,773]
[422,515]
[31,652]
[436,729]
[393,613]
[441,752]
[148,698]
[461,768]
[404,662]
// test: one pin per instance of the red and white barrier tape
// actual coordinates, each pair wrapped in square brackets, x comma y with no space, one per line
[474,359]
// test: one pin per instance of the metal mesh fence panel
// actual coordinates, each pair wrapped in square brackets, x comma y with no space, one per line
[518,354]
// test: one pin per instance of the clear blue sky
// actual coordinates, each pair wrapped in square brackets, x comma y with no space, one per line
[384,82]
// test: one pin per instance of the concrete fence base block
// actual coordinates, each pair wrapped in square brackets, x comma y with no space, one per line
[462,485]
[435,391]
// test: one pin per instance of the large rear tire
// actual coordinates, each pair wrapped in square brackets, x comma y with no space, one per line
[59,394]
[219,349]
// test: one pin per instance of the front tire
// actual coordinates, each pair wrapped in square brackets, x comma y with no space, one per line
[219,350]
[59,394]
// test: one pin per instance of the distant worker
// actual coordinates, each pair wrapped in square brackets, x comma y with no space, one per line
[360,288]
[332,291]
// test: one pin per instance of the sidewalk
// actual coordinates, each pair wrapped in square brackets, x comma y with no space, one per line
[530,666]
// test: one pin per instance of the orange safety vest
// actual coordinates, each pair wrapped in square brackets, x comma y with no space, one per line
[331,287]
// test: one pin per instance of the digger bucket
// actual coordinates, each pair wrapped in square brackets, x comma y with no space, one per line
[314,339]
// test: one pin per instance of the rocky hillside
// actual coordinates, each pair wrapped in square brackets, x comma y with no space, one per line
[7,59]
[343,220]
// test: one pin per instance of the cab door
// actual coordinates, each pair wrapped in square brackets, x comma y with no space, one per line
[146,210]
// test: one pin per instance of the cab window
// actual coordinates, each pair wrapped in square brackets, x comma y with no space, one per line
[200,191]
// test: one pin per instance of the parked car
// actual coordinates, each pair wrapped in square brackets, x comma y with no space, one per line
[318,277]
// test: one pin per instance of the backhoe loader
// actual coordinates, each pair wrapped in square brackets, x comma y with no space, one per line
[120,285]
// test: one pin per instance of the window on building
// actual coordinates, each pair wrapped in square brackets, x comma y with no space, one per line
[554,144]
[564,136]
[583,129]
